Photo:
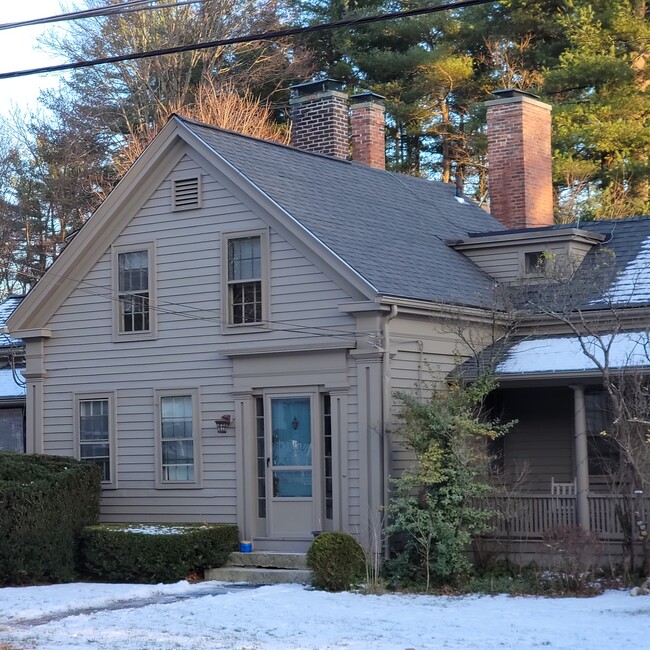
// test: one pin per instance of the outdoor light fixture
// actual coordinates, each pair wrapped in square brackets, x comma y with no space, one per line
[224,423]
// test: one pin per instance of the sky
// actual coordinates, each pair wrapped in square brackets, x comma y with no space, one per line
[212,615]
[19,51]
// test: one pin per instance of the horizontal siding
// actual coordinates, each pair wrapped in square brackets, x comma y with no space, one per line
[81,356]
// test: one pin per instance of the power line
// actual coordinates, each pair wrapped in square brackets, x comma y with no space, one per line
[112,10]
[264,36]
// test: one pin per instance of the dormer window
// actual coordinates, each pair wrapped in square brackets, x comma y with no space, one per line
[534,262]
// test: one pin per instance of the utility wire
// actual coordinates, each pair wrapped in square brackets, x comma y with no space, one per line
[112,10]
[249,38]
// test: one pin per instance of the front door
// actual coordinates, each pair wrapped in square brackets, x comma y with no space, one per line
[290,477]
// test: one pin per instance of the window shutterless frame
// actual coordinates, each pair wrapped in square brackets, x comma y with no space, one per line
[134,292]
[245,273]
[178,438]
[95,436]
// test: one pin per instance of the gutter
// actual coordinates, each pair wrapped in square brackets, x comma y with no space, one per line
[386,403]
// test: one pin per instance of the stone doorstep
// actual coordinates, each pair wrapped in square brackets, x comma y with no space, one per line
[259,576]
[268,560]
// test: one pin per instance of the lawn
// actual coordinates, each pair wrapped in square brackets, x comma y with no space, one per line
[213,615]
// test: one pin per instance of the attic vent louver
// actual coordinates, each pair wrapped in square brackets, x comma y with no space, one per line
[186,193]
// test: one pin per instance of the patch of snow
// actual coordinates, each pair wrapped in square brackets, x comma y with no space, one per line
[153,529]
[566,353]
[8,386]
[291,617]
[632,286]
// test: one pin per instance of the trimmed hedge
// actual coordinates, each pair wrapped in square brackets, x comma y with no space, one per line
[45,501]
[112,553]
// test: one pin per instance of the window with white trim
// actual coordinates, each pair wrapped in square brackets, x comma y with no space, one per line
[95,434]
[178,438]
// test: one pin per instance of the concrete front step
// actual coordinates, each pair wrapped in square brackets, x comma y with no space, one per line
[268,560]
[259,576]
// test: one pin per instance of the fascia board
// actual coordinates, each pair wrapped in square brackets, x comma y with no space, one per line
[99,232]
[284,223]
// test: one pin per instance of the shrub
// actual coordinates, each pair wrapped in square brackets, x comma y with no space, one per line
[433,508]
[337,561]
[45,501]
[154,552]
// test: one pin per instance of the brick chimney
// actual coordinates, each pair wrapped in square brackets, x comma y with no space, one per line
[367,126]
[319,112]
[519,159]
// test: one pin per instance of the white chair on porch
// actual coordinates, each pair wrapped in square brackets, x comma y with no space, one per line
[563,489]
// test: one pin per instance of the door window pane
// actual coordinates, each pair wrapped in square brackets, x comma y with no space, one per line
[291,483]
[291,441]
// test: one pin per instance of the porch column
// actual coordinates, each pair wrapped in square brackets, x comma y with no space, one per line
[581,456]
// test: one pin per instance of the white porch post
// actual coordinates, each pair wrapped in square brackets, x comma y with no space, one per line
[581,457]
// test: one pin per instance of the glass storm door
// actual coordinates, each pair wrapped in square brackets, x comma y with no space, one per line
[290,481]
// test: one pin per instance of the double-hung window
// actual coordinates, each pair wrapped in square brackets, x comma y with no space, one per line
[245,278]
[95,434]
[178,438]
[134,285]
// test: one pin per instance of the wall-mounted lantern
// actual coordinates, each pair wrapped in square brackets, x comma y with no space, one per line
[224,423]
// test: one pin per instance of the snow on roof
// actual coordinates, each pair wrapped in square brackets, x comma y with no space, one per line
[7,307]
[570,353]
[8,386]
[632,286]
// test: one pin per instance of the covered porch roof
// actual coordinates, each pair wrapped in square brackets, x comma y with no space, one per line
[564,355]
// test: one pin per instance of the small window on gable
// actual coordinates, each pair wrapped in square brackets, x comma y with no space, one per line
[245,285]
[534,263]
[186,193]
[135,288]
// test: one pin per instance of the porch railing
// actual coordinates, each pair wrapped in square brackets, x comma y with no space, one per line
[529,516]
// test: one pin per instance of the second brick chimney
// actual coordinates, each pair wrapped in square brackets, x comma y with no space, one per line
[367,129]
[519,159]
[322,122]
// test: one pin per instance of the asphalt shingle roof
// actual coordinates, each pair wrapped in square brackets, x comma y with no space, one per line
[7,307]
[391,228]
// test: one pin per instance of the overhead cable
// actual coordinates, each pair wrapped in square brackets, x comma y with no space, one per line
[98,12]
[249,38]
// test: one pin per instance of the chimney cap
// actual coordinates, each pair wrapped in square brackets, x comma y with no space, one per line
[316,86]
[367,96]
[508,93]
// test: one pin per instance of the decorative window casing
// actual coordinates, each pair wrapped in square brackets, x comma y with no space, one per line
[95,436]
[186,192]
[246,274]
[178,440]
[134,285]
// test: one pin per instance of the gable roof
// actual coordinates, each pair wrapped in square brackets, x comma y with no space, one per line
[390,228]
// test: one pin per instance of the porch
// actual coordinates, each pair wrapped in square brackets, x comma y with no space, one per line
[529,517]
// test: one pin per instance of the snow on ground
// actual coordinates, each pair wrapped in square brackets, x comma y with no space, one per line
[291,617]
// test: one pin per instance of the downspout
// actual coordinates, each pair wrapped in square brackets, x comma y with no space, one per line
[387,401]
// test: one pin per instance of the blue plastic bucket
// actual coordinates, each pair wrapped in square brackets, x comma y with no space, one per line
[245,546]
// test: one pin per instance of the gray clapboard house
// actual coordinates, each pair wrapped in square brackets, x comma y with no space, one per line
[226,333]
